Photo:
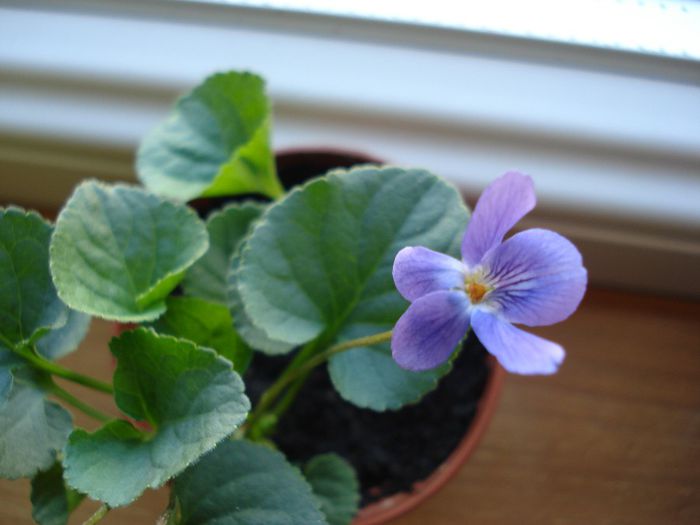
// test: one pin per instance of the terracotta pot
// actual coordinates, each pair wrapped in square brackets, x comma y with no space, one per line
[297,165]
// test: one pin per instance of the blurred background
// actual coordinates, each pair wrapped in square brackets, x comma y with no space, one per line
[598,100]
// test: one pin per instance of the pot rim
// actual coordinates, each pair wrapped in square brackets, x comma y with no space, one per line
[394,506]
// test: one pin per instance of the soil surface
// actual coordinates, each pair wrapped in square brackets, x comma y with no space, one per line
[389,450]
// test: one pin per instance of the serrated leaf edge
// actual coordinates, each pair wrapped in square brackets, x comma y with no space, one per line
[42,330]
[146,316]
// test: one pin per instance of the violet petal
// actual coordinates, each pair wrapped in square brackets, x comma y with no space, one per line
[429,331]
[518,352]
[538,276]
[502,204]
[419,271]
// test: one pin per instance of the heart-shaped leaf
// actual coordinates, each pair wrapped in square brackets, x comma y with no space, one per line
[52,501]
[318,265]
[190,397]
[205,324]
[227,228]
[246,484]
[335,484]
[29,305]
[118,251]
[32,429]
[216,141]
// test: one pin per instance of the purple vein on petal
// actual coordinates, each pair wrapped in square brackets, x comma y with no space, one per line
[538,276]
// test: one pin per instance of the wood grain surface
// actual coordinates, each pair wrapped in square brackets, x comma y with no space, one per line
[614,438]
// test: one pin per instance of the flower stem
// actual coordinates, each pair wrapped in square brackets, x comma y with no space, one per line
[98,515]
[59,371]
[337,349]
[77,403]
[299,369]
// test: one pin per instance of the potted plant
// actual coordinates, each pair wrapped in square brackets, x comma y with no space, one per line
[361,282]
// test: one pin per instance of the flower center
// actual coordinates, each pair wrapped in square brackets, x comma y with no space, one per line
[476,291]
[476,287]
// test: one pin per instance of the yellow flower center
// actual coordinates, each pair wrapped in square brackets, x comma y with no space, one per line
[476,289]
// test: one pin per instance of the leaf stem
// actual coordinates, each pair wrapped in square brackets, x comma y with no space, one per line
[59,371]
[298,370]
[69,398]
[98,515]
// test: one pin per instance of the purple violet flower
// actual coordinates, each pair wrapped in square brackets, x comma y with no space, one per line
[535,278]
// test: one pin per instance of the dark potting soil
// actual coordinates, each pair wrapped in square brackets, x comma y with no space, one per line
[389,450]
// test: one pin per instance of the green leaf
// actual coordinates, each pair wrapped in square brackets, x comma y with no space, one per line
[243,483]
[216,141]
[52,501]
[319,262]
[190,396]
[335,484]
[118,251]
[381,384]
[255,337]
[32,429]
[205,324]
[62,341]
[227,228]
[29,305]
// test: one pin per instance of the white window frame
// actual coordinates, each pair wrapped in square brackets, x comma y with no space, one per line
[611,137]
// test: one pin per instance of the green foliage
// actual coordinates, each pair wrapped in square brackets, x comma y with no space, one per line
[381,384]
[62,341]
[189,396]
[32,429]
[52,501]
[29,305]
[118,251]
[246,484]
[318,265]
[227,228]
[216,141]
[335,484]
[255,337]
[205,324]
[314,267]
